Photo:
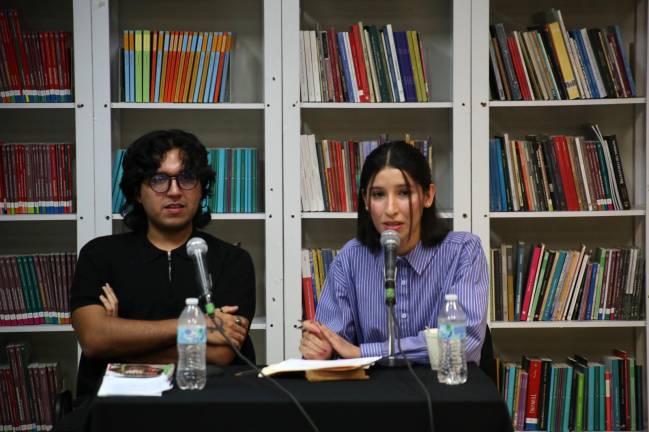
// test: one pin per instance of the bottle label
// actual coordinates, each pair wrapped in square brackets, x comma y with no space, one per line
[452,331]
[191,335]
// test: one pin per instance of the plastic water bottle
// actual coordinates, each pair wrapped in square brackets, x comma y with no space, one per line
[191,341]
[451,325]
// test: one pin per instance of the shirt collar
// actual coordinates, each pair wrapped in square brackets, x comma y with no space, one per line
[419,257]
[150,252]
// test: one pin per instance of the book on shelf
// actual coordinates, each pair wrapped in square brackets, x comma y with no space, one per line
[34,289]
[162,66]
[315,264]
[238,185]
[35,67]
[364,64]
[553,284]
[330,171]
[36,178]
[29,390]
[550,62]
[576,394]
[557,173]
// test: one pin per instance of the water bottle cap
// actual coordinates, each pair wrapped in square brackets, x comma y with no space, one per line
[191,301]
[451,297]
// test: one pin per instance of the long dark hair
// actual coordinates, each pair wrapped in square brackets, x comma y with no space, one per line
[407,159]
[143,158]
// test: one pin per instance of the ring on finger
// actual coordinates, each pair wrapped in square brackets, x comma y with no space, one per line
[238,321]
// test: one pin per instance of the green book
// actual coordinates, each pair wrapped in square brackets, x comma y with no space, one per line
[579,409]
[146,64]
[538,287]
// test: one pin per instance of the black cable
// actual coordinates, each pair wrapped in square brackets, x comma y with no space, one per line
[219,328]
[429,404]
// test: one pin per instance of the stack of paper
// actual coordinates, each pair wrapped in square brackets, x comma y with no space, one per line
[299,365]
[122,379]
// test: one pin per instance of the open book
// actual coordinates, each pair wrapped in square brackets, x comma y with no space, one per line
[324,370]
[136,379]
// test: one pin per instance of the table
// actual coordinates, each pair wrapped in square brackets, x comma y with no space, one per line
[389,400]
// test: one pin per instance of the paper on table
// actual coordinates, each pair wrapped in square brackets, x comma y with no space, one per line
[136,380]
[300,365]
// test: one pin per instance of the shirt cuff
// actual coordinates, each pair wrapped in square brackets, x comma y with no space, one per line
[374,349]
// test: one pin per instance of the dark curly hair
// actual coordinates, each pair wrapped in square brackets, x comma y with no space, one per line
[142,160]
[407,159]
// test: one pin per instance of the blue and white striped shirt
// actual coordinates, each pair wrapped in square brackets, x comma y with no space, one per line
[353,297]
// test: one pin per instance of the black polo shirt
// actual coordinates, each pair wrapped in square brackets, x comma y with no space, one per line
[152,284]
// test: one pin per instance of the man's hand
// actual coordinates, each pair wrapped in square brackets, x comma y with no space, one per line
[344,348]
[314,346]
[235,327]
[109,300]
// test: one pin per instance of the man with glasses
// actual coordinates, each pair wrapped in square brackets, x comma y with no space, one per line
[129,288]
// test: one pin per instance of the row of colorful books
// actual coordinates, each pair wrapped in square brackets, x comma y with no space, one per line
[36,178]
[34,66]
[548,62]
[575,395]
[315,264]
[35,289]
[558,172]
[330,171]
[536,283]
[238,187]
[175,66]
[28,391]
[364,64]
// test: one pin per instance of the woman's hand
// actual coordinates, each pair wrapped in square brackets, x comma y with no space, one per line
[344,348]
[314,346]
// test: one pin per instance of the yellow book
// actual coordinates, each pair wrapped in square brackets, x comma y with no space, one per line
[126,68]
[420,66]
[146,64]
[209,49]
[202,40]
[190,68]
[565,287]
[561,54]
[186,38]
[413,60]
[138,65]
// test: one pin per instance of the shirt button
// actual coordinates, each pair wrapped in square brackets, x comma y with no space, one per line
[404,315]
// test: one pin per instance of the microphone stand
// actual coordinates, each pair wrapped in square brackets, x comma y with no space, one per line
[390,300]
[211,369]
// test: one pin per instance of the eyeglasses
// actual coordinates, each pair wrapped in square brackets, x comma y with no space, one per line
[161,182]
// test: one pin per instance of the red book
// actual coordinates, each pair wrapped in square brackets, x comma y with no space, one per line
[565,172]
[172,67]
[518,67]
[359,62]
[335,188]
[351,146]
[307,286]
[5,37]
[529,286]
[335,64]
[625,386]
[533,368]
[22,55]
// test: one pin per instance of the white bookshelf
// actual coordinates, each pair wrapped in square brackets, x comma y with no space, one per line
[626,118]
[444,119]
[251,119]
[53,123]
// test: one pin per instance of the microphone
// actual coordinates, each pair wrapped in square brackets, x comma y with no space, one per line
[390,241]
[197,249]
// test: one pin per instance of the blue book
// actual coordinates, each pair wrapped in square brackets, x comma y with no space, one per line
[405,66]
[200,64]
[127,67]
[625,59]
[156,93]
[547,313]
[349,94]
[583,54]
[210,71]
[567,396]
[249,154]
[501,175]
[512,371]
[223,93]
[206,205]
[116,177]
[494,181]
[132,67]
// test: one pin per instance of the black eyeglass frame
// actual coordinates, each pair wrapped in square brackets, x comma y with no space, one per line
[181,180]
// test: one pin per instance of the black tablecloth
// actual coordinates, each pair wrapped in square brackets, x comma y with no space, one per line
[389,400]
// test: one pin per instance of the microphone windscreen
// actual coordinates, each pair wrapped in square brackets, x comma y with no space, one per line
[390,237]
[196,245]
